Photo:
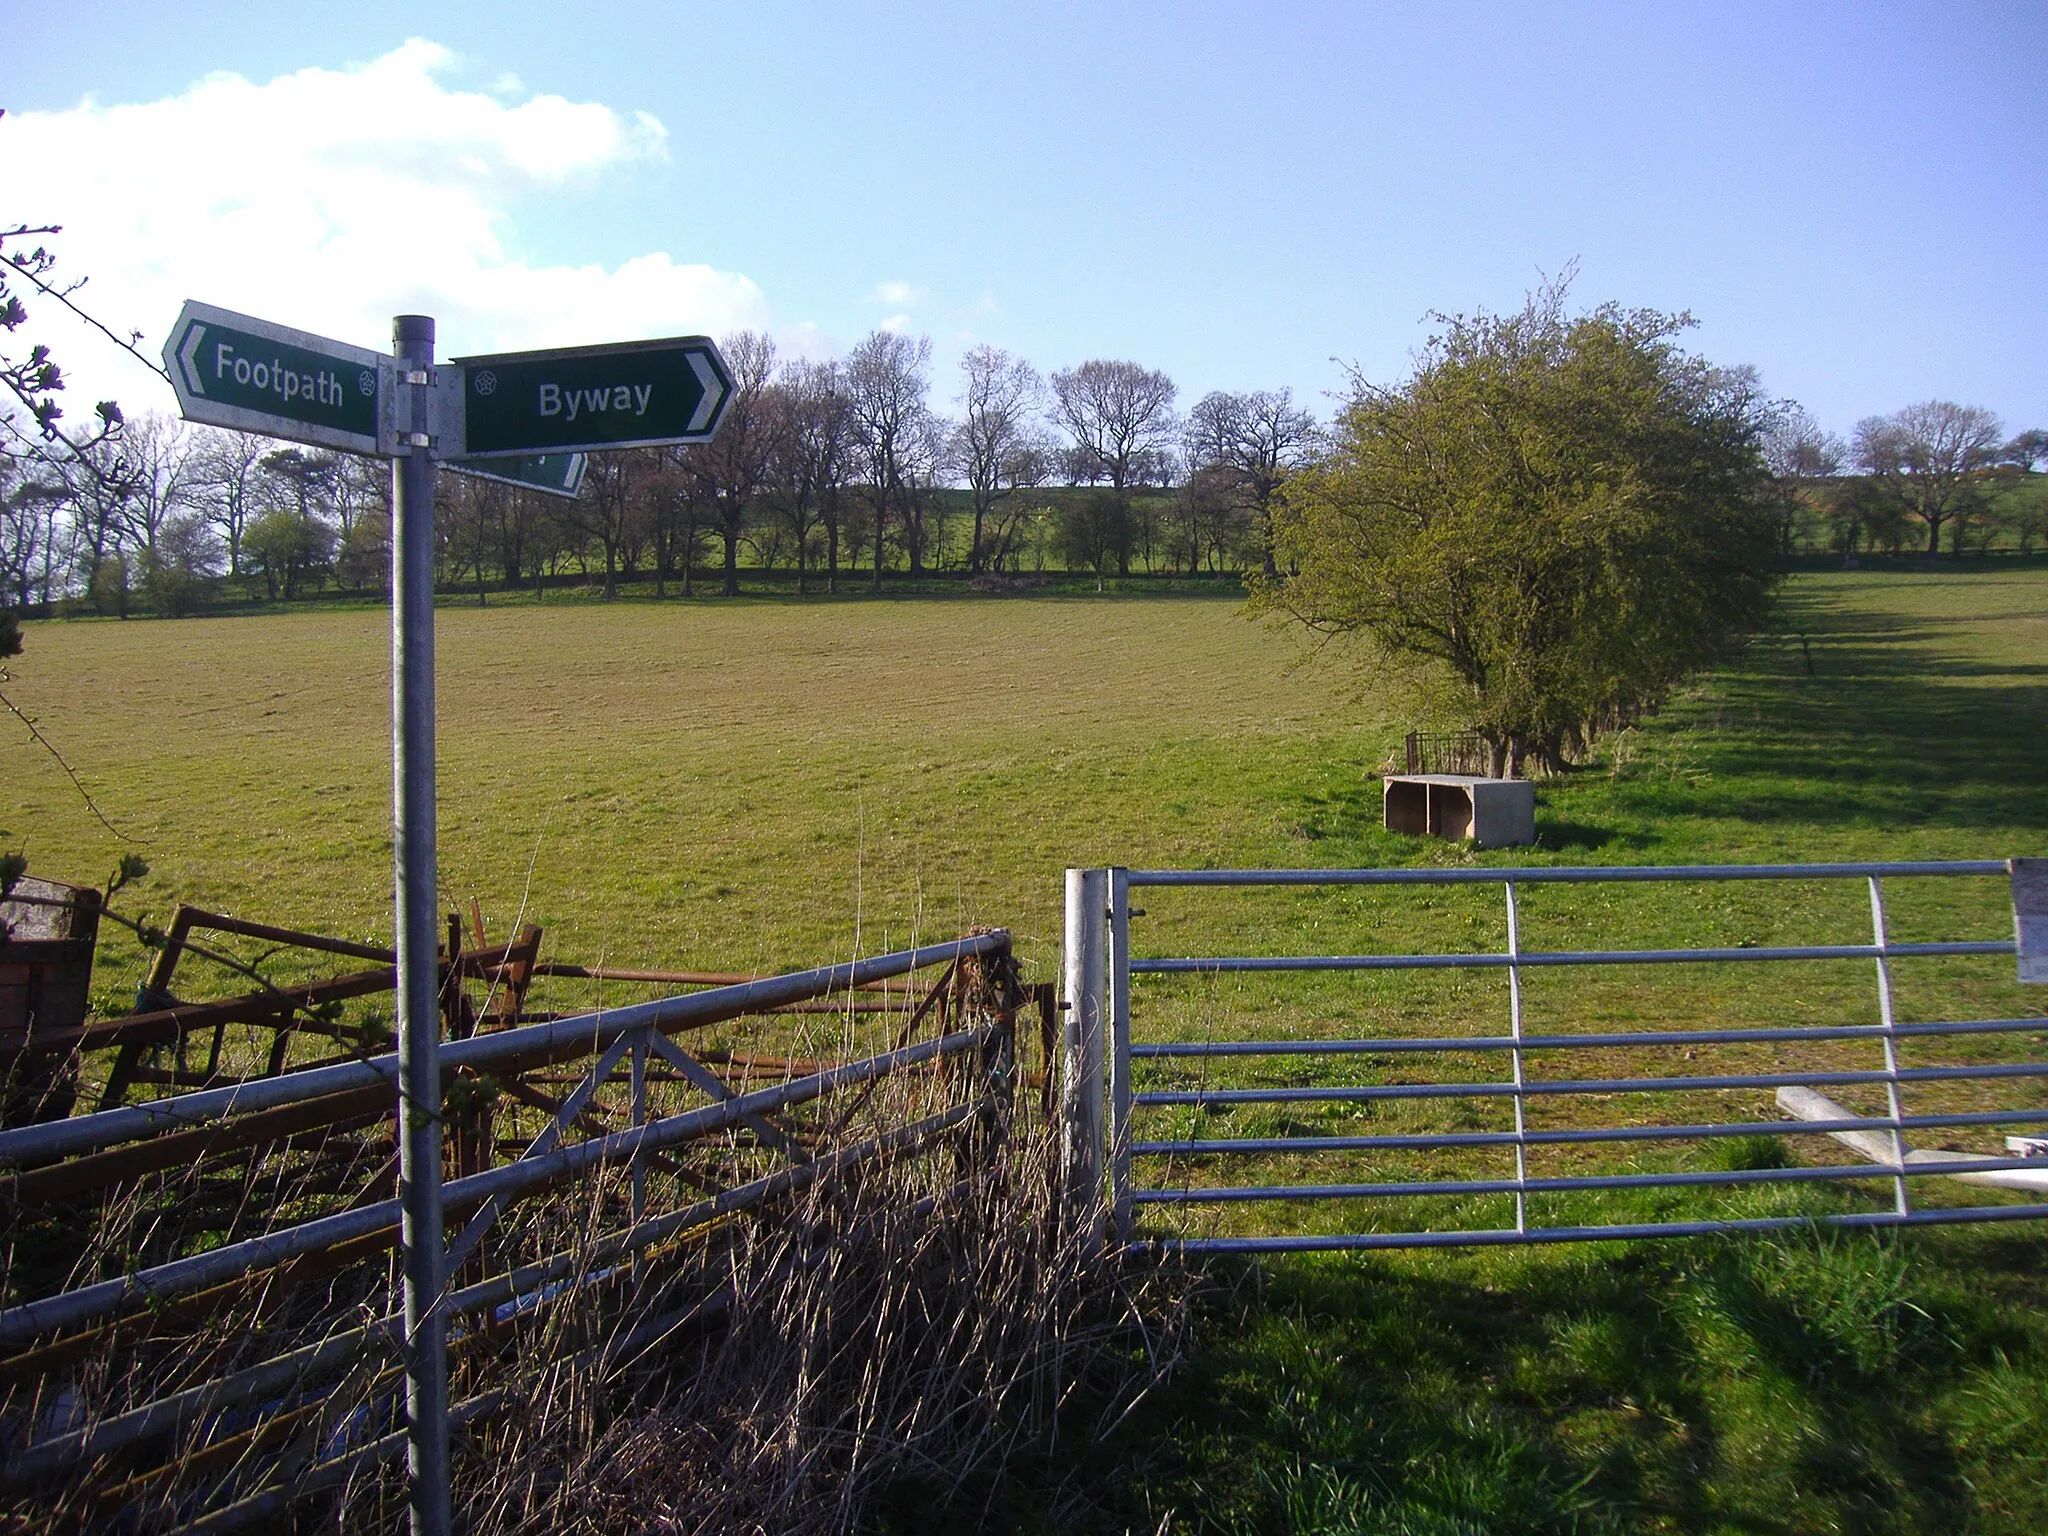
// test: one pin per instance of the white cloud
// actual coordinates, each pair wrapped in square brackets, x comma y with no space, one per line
[896,294]
[332,199]
[805,340]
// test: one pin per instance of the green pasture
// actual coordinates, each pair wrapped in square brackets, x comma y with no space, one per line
[774,782]
[770,782]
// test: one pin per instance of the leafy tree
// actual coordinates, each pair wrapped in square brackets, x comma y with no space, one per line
[362,559]
[288,546]
[1095,533]
[177,569]
[1928,460]
[1553,522]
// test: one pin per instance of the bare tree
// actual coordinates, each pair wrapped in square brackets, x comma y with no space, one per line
[1028,465]
[826,418]
[1117,414]
[158,452]
[734,468]
[994,440]
[99,483]
[1259,438]
[226,481]
[813,457]
[31,503]
[1800,457]
[357,487]
[666,487]
[886,384]
[1928,460]
[605,506]
[1212,518]
[681,500]
[469,515]
[921,516]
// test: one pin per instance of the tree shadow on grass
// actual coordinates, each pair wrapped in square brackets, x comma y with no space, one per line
[1776,1385]
[1573,836]
[1891,727]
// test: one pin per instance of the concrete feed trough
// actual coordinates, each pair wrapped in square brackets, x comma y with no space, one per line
[1494,813]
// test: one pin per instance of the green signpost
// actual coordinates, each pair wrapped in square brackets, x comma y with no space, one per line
[631,395]
[236,371]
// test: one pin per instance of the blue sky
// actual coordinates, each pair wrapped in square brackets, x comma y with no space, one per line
[1850,197]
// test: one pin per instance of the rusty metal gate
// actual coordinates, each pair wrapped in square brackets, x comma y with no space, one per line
[1458,1119]
[228,1373]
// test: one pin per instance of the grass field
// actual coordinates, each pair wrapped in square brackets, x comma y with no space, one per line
[769,783]
[751,783]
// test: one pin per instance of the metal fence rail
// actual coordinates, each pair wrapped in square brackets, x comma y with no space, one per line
[1101,1040]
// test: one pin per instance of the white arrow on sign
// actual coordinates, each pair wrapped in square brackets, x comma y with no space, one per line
[714,391]
[188,359]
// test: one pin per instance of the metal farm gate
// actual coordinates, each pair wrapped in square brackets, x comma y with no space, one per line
[1481,1091]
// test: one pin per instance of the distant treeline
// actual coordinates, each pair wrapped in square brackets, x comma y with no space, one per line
[834,473]
[832,476]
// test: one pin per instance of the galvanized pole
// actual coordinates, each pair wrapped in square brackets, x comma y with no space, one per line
[1120,1097]
[1081,1051]
[419,977]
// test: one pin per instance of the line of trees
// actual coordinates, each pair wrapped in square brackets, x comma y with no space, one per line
[844,471]
[822,469]
[1901,479]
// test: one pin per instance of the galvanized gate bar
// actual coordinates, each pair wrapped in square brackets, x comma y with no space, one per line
[1120,1099]
[1581,874]
[1521,1077]
[1348,1095]
[1455,1043]
[1494,1237]
[1081,1046]
[1888,1029]
[1203,1194]
[1259,1145]
[1222,964]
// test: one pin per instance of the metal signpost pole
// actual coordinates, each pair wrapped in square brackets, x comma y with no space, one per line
[1081,1052]
[419,981]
